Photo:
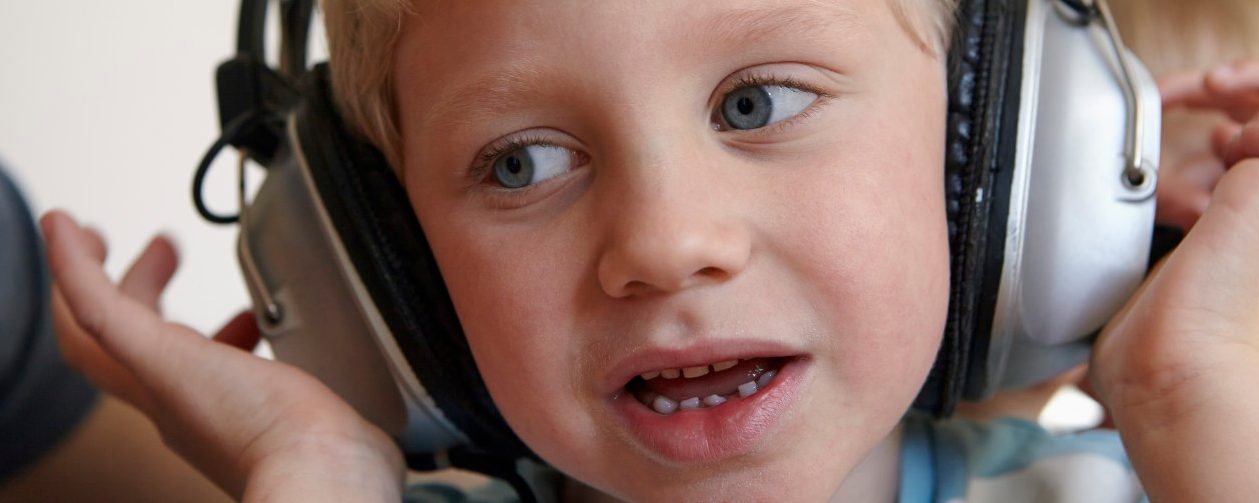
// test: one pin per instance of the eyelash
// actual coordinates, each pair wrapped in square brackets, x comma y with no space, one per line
[767,79]
[485,160]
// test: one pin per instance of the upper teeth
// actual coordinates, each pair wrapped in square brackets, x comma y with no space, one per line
[688,372]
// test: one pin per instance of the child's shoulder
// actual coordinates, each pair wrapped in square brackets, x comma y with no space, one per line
[1011,460]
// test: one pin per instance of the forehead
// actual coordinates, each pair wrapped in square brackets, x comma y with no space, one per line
[469,58]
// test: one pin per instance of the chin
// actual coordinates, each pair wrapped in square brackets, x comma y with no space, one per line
[771,480]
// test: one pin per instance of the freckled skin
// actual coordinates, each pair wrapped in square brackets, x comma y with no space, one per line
[825,232]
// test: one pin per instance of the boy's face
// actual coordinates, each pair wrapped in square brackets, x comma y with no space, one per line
[627,187]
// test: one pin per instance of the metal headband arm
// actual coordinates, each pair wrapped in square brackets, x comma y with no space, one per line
[1136,176]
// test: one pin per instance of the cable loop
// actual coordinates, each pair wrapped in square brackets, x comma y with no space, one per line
[231,135]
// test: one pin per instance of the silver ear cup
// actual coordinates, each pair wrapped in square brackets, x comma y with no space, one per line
[1079,232]
[328,324]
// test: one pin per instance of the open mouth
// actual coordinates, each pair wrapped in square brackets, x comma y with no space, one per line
[704,412]
[667,391]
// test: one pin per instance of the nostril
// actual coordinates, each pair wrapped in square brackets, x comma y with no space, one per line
[716,273]
[636,288]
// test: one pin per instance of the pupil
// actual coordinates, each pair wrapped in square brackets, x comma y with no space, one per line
[513,165]
[748,108]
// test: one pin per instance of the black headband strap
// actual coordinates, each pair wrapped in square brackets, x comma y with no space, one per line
[295,36]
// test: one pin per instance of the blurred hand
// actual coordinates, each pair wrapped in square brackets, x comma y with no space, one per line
[1179,365]
[257,428]
[1204,113]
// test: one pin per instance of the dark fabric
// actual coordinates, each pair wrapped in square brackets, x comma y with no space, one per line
[41,399]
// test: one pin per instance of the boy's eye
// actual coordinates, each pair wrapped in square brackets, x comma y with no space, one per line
[757,106]
[530,164]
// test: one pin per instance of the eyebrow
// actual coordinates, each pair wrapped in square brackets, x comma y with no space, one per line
[505,88]
[748,27]
[488,94]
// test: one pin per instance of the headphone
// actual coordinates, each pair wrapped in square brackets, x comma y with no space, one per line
[1053,138]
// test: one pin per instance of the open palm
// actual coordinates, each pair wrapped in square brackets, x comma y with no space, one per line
[253,426]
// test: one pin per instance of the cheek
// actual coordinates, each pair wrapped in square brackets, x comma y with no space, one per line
[875,247]
[515,303]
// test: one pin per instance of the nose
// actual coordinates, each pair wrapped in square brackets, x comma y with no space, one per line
[673,228]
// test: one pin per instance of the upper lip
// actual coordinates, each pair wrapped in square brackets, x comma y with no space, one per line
[700,353]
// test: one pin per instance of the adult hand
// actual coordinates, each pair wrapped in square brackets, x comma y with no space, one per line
[1178,366]
[257,428]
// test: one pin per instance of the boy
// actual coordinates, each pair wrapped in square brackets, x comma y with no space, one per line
[659,188]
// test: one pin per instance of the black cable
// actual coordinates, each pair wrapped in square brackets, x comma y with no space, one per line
[231,134]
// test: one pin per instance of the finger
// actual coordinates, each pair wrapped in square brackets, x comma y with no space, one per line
[1182,210]
[170,361]
[81,352]
[71,257]
[1180,89]
[1222,136]
[1235,90]
[241,332]
[1232,89]
[1239,74]
[151,272]
[1184,188]
[125,329]
[1244,145]
[99,248]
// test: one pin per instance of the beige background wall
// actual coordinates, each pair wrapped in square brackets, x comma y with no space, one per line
[105,109]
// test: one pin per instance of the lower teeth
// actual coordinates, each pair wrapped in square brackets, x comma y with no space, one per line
[664,405]
[667,406]
[765,378]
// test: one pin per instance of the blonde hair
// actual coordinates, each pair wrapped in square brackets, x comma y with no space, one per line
[361,39]
[362,35]
[1179,35]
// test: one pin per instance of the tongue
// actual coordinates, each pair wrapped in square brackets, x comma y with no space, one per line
[713,383]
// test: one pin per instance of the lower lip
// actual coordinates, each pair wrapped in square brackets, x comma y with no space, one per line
[711,434]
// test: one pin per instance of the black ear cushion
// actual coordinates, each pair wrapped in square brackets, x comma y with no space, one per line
[985,77]
[375,221]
